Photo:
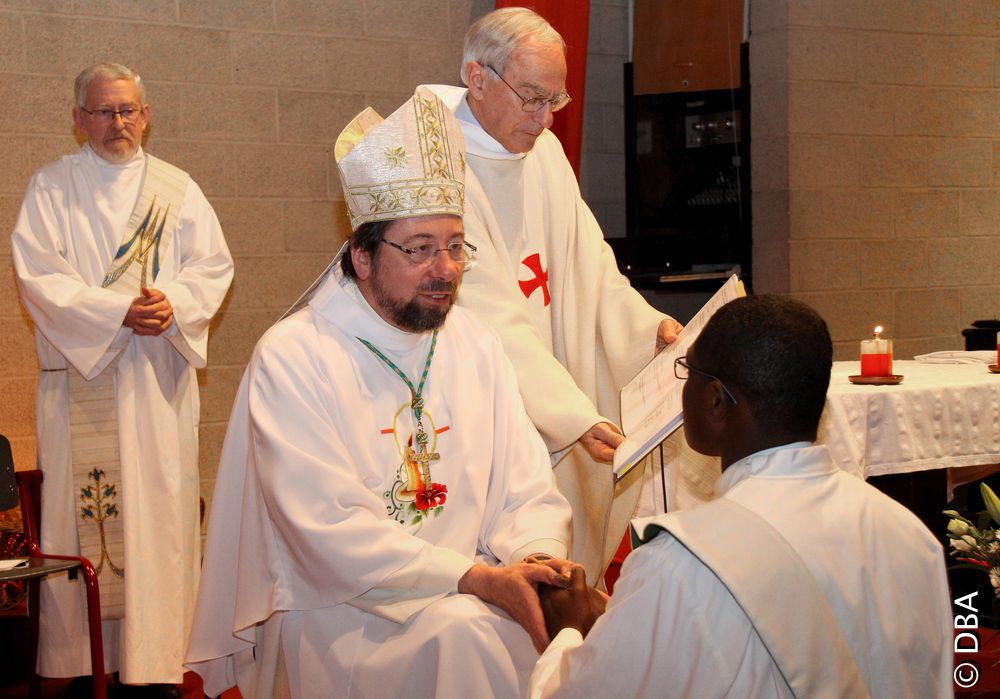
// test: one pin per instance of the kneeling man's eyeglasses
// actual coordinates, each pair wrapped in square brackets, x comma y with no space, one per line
[682,370]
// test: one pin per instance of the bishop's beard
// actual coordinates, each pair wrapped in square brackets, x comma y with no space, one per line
[413,315]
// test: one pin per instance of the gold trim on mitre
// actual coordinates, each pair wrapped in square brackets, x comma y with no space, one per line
[355,132]
[410,164]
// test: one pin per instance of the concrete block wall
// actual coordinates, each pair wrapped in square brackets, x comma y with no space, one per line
[249,98]
[876,137]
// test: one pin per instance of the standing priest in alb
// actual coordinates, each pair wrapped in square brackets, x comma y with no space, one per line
[121,264]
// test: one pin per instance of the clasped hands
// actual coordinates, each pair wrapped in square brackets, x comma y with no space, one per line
[516,590]
[150,314]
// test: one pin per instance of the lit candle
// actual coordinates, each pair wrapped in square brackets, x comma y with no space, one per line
[876,355]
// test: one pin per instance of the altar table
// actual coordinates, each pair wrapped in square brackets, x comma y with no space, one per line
[940,416]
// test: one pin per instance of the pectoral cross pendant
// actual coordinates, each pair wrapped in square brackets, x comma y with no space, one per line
[424,458]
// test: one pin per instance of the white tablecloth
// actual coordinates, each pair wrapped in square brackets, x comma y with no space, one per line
[940,416]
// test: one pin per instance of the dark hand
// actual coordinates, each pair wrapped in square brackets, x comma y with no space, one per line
[576,607]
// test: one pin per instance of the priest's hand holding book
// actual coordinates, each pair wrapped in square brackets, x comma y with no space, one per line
[602,439]
[666,334]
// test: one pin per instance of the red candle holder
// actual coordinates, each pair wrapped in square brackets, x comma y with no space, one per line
[876,357]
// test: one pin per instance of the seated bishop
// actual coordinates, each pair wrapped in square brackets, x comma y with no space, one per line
[384,511]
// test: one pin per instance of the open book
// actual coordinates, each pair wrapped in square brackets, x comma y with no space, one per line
[651,402]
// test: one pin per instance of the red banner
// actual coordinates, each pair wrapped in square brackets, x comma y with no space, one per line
[571,18]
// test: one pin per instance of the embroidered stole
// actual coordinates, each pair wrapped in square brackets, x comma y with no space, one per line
[772,584]
[150,228]
[93,415]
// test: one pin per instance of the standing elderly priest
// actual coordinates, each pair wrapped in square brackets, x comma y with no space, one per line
[547,281]
[379,463]
[121,264]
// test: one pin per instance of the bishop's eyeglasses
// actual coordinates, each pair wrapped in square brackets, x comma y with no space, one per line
[535,104]
[427,253]
[682,370]
[128,114]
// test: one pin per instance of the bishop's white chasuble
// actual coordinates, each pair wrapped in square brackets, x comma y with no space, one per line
[331,547]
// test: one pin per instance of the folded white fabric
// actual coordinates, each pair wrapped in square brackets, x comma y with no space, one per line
[958,357]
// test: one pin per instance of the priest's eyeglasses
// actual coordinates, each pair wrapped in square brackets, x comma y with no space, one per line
[536,104]
[682,370]
[128,114]
[427,253]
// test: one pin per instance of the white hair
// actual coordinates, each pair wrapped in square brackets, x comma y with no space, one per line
[106,71]
[493,37]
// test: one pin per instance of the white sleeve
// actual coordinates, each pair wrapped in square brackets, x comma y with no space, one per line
[83,322]
[549,670]
[206,270]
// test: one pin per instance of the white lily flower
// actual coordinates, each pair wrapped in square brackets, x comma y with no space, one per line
[960,545]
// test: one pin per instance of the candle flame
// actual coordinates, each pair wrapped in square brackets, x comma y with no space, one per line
[877,331]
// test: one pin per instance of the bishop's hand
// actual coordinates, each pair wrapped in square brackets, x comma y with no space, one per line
[513,588]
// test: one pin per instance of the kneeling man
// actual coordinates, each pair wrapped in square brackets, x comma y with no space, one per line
[379,463]
[799,580]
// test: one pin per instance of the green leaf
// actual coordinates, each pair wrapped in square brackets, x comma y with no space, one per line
[992,501]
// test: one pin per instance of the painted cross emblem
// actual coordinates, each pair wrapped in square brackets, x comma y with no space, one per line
[541,278]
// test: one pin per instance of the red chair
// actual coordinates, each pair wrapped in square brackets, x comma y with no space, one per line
[28,491]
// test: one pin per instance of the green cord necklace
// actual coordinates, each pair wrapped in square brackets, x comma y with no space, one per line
[421,456]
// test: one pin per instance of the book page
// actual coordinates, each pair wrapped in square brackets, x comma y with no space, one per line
[651,402]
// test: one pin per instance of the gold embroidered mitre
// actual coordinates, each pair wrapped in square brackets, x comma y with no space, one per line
[410,164]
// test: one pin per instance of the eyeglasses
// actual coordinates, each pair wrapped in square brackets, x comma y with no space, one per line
[682,370]
[535,104]
[426,253]
[128,114]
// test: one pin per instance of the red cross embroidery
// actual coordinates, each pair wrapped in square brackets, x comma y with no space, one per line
[541,279]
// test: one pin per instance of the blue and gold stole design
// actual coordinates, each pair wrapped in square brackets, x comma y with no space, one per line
[149,230]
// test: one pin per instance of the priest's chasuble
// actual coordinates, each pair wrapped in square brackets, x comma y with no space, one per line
[70,225]
[574,328]
[324,565]
[686,634]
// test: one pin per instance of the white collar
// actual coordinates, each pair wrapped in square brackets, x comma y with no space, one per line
[339,301]
[794,460]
